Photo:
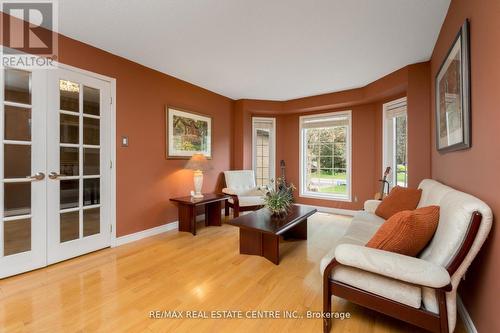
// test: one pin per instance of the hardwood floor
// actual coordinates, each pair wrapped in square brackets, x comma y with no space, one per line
[114,290]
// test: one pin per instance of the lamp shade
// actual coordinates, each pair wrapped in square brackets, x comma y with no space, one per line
[198,162]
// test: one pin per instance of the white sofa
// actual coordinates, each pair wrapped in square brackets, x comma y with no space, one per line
[411,283]
[245,194]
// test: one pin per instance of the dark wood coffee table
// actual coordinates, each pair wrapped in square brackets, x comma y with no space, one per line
[260,232]
[187,210]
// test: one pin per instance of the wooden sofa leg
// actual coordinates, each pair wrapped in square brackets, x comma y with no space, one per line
[236,211]
[226,209]
[327,307]
[443,311]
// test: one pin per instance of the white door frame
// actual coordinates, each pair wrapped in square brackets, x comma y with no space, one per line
[112,134]
[386,107]
[272,148]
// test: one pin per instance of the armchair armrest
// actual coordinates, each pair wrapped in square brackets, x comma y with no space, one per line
[228,191]
[393,265]
[371,205]
[257,191]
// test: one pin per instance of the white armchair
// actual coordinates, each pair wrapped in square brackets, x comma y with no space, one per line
[245,194]
[421,290]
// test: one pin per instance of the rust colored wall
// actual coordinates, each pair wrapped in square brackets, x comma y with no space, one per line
[475,170]
[145,178]
[366,105]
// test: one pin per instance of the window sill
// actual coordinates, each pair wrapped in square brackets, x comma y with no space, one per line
[325,197]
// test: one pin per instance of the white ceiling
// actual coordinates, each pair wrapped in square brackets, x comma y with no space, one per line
[263,49]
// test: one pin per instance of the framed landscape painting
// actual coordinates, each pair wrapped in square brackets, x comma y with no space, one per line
[188,133]
[453,128]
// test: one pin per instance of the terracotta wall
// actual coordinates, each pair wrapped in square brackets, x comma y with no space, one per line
[366,105]
[476,170]
[145,178]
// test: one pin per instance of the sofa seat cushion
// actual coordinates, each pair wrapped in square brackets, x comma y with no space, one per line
[399,199]
[363,226]
[380,285]
[249,201]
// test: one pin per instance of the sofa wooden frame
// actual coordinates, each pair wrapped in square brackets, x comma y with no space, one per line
[419,317]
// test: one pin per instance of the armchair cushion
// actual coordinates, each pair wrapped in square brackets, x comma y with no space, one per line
[246,201]
[393,265]
[245,192]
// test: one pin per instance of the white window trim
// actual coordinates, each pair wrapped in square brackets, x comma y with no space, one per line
[311,195]
[272,148]
[386,107]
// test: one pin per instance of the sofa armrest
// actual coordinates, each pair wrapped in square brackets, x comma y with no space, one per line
[371,205]
[393,265]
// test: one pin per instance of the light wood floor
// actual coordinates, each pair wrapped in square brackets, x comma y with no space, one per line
[114,290]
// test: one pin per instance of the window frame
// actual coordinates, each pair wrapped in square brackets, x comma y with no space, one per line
[302,145]
[272,146]
[387,108]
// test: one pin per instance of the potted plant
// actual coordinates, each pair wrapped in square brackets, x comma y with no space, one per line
[279,198]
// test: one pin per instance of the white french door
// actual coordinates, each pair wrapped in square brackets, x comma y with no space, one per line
[55,175]
[77,164]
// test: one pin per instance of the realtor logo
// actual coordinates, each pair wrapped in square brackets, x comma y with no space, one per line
[28,38]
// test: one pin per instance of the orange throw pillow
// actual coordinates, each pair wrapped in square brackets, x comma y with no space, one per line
[407,232]
[399,199]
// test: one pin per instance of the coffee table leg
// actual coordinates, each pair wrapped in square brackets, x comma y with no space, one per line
[250,242]
[297,232]
[213,214]
[271,248]
[260,244]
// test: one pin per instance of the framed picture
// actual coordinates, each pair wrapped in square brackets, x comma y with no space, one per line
[188,133]
[453,108]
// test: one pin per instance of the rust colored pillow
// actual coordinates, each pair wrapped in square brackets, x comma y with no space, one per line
[399,199]
[407,232]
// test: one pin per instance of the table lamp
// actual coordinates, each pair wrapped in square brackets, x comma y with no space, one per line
[198,163]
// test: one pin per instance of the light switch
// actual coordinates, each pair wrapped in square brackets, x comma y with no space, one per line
[124,141]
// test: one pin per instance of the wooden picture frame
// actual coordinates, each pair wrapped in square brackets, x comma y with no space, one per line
[187,133]
[452,89]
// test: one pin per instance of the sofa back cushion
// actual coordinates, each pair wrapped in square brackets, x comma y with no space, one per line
[240,181]
[456,209]
[407,232]
[398,200]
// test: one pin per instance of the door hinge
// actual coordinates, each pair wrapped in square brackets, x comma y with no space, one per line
[111,164]
[111,100]
[110,228]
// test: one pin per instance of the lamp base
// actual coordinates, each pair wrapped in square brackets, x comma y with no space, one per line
[198,182]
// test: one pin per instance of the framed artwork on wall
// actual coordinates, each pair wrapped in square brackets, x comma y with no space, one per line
[188,133]
[452,88]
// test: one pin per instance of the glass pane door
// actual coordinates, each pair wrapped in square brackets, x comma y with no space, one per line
[22,235]
[77,219]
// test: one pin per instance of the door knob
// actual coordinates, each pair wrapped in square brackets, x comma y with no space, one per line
[36,176]
[54,175]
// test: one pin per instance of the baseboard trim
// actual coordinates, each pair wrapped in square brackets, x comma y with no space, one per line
[151,232]
[464,314]
[332,210]
[145,233]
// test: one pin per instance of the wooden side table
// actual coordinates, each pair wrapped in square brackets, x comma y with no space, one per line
[187,210]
